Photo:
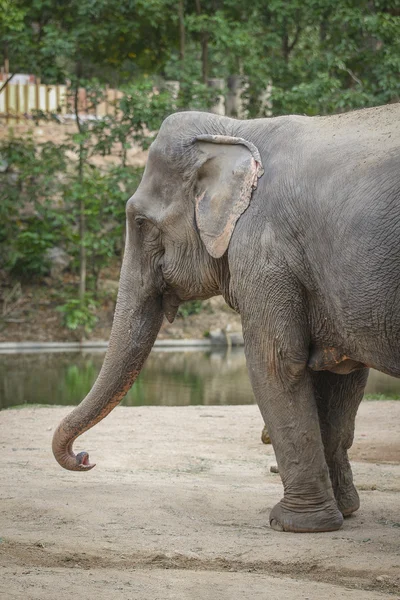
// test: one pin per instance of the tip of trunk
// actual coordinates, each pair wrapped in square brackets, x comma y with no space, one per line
[65,456]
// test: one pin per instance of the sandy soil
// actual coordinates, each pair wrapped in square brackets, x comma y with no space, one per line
[177,508]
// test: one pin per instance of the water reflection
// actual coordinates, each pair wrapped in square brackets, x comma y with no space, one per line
[168,378]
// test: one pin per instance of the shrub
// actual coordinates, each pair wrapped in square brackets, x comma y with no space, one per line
[77,315]
[193,307]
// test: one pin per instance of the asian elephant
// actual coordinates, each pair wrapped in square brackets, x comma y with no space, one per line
[296,222]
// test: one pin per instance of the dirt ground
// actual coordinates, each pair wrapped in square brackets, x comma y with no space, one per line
[177,509]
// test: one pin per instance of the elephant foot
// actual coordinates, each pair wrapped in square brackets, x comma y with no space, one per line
[326,518]
[347,499]
[346,495]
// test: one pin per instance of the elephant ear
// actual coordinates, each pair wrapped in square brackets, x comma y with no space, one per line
[227,177]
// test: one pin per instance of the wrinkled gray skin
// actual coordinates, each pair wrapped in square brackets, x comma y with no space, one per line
[310,259]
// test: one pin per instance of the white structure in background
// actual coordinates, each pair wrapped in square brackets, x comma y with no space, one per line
[17,78]
[173,87]
[18,99]
[219,106]
[266,102]
[237,85]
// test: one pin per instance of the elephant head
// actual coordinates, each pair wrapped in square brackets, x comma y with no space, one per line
[198,181]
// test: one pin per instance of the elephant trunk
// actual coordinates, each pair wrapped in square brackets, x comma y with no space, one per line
[137,321]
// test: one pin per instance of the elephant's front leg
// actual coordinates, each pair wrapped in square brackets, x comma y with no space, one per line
[338,398]
[285,395]
[276,352]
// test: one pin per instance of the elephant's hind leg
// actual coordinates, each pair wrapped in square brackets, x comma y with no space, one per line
[338,398]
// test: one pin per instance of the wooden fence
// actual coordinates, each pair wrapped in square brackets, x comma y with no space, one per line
[20,100]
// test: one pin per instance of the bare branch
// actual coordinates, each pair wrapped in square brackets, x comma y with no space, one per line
[6,82]
[295,39]
[181,30]
[352,75]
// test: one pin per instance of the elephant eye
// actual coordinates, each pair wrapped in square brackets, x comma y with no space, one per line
[140,221]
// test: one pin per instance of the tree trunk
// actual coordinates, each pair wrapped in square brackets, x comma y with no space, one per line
[81,207]
[204,56]
[204,48]
[181,31]
[82,252]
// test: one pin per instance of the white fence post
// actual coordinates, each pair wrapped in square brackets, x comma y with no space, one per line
[219,106]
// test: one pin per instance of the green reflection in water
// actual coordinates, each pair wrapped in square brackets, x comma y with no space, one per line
[168,379]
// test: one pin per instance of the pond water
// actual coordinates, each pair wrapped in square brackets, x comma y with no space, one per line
[168,379]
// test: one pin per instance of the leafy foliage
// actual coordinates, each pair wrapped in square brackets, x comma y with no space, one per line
[320,55]
[57,195]
[77,314]
[56,39]
[192,307]
[304,56]
[138,115]
[40,202]
[30,187]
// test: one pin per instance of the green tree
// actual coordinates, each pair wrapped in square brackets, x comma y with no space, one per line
[315,56]
[113,41]
[56,194]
